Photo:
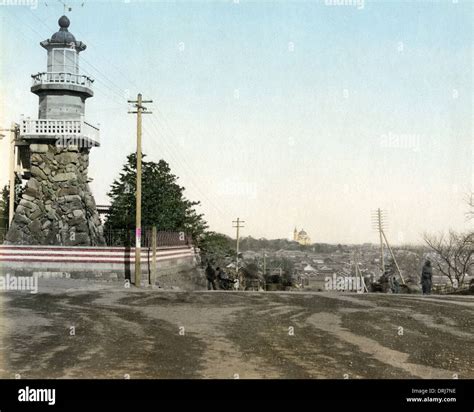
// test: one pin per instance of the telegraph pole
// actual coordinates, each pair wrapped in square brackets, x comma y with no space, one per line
[138,194]
[393,257]
[378,222]
[379,218]
[12,165]
[237,224]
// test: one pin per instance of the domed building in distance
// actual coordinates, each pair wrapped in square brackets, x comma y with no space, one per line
[301,237]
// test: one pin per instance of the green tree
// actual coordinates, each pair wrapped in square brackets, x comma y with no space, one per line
[215,246]
[163,202]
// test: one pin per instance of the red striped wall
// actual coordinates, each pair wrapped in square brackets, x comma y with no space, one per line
[90,261]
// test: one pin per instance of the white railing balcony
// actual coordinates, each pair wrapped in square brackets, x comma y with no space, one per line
[64,132]
[62,78]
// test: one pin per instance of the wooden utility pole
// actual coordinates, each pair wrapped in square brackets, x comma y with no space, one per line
[393,257]
[153,259]
[379,214]
[138,194]
[237,224]
[14,129]
[378,222]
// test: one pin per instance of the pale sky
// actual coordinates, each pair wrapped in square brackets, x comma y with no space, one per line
[295,113]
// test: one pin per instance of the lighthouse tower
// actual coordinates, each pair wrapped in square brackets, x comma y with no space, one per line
[57,206]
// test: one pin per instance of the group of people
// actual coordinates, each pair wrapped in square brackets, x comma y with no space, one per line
[217,274]
[389,281]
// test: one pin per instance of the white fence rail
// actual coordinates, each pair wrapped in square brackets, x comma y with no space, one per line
[59,129]
[62,78]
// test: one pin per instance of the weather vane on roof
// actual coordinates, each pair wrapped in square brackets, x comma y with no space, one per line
[67,7]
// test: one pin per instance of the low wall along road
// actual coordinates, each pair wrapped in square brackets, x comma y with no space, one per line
[107,263]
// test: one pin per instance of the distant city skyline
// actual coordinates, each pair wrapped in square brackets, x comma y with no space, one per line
[307,114]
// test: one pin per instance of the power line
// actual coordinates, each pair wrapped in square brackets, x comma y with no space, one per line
[178,156]
[155,121]
[83,59]
[190,174]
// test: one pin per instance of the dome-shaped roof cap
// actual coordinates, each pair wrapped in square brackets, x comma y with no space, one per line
[64,22]
[63,35]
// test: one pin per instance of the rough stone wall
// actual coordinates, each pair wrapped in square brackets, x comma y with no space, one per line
[57,206]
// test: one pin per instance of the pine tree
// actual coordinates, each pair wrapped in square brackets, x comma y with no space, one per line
[163,202]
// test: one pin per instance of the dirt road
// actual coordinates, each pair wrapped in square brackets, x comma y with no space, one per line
[79,329]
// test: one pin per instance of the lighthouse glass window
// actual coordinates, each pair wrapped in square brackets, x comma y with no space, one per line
[64,61]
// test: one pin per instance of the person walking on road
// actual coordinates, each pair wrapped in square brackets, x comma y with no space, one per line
[211,277]
[426,278]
